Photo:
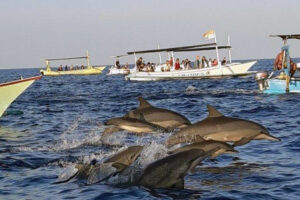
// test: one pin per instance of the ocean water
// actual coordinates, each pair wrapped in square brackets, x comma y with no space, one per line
[58,122]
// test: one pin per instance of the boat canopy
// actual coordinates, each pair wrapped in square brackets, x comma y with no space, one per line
[72,58]
[87,57]
[171,49]
[119,56]
[203,49]
[285,37]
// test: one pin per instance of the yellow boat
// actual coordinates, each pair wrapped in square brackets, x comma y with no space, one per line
[9,91]
[89,70]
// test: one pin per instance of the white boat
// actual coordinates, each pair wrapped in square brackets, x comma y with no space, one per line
[120,70]
[218,71]
[232,69]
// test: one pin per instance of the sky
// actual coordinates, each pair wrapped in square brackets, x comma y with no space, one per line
[32,30]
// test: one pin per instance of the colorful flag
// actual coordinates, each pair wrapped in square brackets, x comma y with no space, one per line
[209,34]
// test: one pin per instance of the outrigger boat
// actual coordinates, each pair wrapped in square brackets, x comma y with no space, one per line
[89,70]
[288,81]
[228,69]
[9,91]
[117,69]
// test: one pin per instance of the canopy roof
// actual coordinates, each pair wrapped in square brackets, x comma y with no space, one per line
[203,49]
[72,58]
[170,49]
[285,37]
[119,56]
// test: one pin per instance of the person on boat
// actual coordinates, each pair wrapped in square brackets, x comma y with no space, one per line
[71,68]
[60,68]
[171,61]
[139,63]
[66,68]
[118,64]
[188,64]
[204,62]
[224,61]
[142,67]
[82,66]
[126,66]
[197,62]
[152,67]
[168,66]
[278,64]
[177,64]
[214,63]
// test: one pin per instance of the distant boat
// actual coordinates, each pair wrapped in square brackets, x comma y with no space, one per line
[117,69]
[282,83]
[218,71]
[82,70]
[9,91]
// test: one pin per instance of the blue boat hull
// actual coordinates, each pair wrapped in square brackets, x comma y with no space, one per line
[277,86]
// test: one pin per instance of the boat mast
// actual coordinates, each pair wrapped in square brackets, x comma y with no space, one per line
[159,54]
[47,65]
[229,51]
[217,51]
[88,60]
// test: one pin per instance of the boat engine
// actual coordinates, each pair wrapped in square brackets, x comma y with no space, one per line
[261,78]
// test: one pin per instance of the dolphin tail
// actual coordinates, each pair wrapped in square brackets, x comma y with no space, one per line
[265,136]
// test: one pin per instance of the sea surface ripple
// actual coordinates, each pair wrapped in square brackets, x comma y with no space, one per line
[58,121]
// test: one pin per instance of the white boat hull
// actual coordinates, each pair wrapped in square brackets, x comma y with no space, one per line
[115,71]
[233,69]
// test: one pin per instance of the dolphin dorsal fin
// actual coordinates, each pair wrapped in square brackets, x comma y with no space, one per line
[144,103]
[212,112]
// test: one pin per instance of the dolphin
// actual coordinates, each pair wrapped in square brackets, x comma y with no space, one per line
[97,172]
[126,157]
[134,125]
[169,172]
[221,128]
[159,116]
[208,146]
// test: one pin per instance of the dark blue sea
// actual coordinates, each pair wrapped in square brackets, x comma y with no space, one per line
[58,122]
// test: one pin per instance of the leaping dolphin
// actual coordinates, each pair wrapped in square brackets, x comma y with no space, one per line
[97,172]
[169,172]
[221,128]
[159,116]
[133,125]
[208,146]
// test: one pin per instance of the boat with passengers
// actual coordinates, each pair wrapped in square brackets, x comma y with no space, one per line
[78,70]
[11,90]
[288,80]
[207,71]
[117,69]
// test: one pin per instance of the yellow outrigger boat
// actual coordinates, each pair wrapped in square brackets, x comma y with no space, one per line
[89,70]
[9,91]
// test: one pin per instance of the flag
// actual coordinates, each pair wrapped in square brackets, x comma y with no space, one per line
[209,34]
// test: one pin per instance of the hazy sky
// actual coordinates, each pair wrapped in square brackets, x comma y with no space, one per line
[35,29]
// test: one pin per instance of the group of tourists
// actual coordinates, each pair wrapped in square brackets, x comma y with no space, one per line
[67,68]
[185,64]
[141,66]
